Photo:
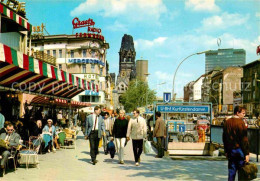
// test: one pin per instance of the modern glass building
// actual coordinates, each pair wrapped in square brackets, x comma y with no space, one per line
[224,58]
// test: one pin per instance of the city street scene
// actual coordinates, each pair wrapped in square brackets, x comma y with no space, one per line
[129,90]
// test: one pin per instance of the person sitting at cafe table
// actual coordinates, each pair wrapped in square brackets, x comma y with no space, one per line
[49,134]
[11,139]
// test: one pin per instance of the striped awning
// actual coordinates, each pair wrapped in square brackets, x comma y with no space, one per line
[28,74]
[15,17]
[58,102]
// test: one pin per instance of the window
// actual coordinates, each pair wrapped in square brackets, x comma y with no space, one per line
[93,54]
[48,52]
[100,86]
[92,68]
[101,71]
[60,66]
[60,53]
[84,53]
[72,54]
[54,53]
[84,68]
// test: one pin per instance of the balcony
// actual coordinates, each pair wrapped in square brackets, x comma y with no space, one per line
[40,55]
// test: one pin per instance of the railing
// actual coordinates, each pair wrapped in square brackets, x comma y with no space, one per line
[253,135]
[45,57]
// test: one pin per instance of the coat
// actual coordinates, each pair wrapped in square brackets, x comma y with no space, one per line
[137,130]
[160,128]
[13,140]
[90,122]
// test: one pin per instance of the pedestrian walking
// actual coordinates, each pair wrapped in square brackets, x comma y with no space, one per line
[119,133]
[160,133]
[235,141]
[137,128]
[94,127]
[108,127]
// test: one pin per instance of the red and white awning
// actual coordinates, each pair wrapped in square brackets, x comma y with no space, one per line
[28,74]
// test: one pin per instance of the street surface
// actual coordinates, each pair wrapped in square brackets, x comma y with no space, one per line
[73,164]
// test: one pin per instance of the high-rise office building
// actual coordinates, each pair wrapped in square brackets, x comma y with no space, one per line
[224,58]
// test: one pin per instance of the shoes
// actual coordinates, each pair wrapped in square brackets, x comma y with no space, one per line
[49,150]
[156,156]
[136,164]
[2,171]
[121,162]
[106,152]
[94,162]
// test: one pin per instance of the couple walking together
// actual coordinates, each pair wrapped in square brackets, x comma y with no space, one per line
[122,130]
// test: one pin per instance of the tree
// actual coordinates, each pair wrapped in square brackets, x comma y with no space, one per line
[137,93]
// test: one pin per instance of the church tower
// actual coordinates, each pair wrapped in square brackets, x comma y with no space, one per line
[127,69]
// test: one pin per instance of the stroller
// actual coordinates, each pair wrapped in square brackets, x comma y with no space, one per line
[111,149]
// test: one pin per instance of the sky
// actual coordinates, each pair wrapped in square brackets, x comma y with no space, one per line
[164,31]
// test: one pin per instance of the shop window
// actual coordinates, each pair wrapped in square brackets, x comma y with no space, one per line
[48,52]
[60,66]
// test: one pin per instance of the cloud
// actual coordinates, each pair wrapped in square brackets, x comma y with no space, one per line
[202,5]
[136,10]
[257,14]
[225,20]
[147,44]
[117,26]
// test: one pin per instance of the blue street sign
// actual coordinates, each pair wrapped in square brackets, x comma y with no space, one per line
[166,97]
[182,128]
[183,109]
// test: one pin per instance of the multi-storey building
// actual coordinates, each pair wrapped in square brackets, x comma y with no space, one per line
[188,92]
[82,56]
[251,87]
[224,58]
[197,89]
[223,85]
[206,87]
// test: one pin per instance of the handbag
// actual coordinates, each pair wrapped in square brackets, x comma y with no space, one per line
[248,172]
[147,147]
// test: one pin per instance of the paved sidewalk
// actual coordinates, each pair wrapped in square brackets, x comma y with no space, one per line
[73,164]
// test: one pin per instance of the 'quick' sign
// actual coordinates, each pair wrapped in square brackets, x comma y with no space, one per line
[86,60]
[183,109]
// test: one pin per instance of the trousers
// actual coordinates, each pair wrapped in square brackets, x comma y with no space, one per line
[160,146]
[105,141]
[137,148]
[236,159]
[120,144]
[94,141]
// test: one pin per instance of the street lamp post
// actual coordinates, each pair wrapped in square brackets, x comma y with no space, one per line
[173,97]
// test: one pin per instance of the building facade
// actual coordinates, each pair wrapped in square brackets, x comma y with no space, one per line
[188,92]
[251,88]
[206,87]
[82,56]
[197,89]
[224,58]
[223,85]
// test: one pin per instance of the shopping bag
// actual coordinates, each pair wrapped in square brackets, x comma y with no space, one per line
[147,147]
[111,148]
[248,172]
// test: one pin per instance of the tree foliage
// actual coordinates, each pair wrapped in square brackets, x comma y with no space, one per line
[136,95]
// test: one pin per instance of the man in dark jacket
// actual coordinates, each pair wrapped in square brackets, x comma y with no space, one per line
[12,140]
[235,142]
[160,133]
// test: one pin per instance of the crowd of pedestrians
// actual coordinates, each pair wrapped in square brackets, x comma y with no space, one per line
[120,130]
